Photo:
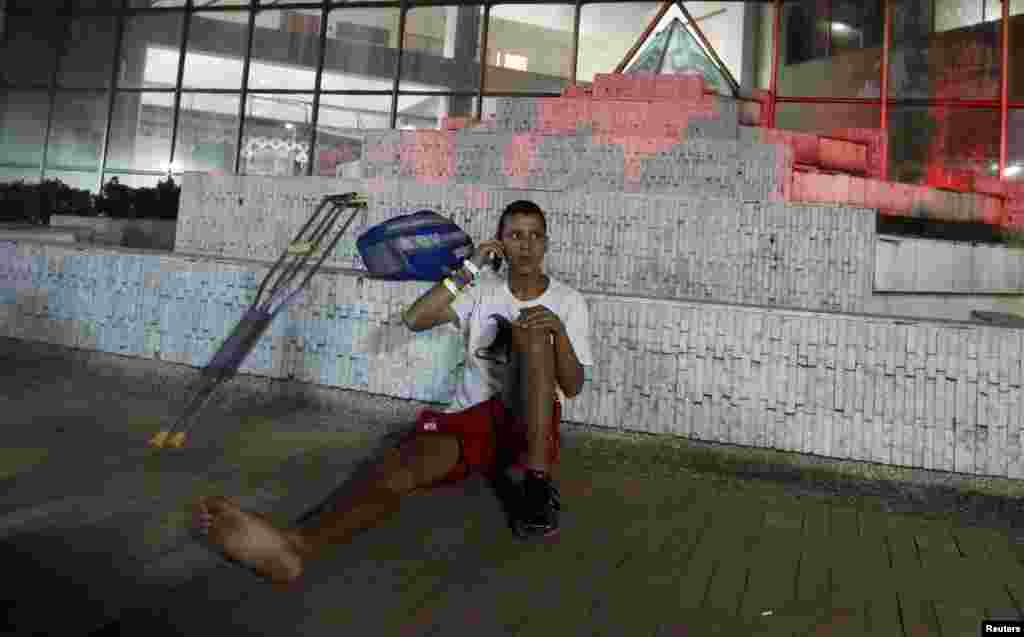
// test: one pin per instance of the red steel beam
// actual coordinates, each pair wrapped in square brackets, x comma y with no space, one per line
[988,104]
[1004,97]
[828,100]
[774,88]
[886,36]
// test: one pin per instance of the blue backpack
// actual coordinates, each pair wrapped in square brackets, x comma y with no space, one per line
[423,246]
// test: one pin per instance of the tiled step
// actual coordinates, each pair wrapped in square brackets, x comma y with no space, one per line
[873,388]
[656,245]
[815,151]
[897,199]
[16,232]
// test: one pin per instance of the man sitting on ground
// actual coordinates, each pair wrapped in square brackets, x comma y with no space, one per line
[527,338]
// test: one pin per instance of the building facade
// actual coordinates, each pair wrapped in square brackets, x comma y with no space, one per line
[141,88]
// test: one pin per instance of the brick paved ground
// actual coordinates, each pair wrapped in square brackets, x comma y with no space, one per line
[655,540]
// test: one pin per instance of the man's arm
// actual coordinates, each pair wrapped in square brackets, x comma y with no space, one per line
[567,366]
[430,310]
[435,306]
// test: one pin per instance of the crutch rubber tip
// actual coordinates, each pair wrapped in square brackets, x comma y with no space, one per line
[300,247]
[177,440]
[159,439]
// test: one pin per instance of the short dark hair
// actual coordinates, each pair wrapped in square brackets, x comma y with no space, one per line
[521,207]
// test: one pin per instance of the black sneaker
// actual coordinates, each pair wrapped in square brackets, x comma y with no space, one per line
[539,507]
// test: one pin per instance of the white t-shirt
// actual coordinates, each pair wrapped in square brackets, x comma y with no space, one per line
[483,378]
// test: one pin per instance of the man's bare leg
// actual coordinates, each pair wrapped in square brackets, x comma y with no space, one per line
[279,555]
[537,391]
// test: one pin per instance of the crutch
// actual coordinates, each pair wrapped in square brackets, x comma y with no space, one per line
[225,362]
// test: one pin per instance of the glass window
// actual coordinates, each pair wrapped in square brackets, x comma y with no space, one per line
[33,37]
[362,50]
[831,49]
[89,57]
[828,119]
[956,14]
[607,32]
[993,10]
[711,45]
[132,180]
[10,174]
[76,135]
[146,4]
[764,18]
[442,49]
[529,48]
[285,50]
[97,5]
[207,130]
[140,134]
[428,111]
[216,48]
[150,50]
[277,134]
[38,6]
[84,179]
[221,3]
[1015,144]
[23,116]
[727,28]
[926,144]
[823,118]
[1016,53]
[339,145]
[960,63]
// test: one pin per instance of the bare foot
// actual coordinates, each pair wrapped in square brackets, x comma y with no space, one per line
[248,539]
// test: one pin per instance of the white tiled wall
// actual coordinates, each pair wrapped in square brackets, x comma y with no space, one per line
[922,394]
[659,245]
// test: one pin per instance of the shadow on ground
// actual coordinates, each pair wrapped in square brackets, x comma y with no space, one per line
[55,583]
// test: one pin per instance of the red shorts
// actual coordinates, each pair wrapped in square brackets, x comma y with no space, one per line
[488,438]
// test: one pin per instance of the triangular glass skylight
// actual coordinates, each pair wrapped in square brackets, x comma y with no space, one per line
[674,49]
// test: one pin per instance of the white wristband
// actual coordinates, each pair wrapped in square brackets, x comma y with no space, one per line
[475,271]
[448,283]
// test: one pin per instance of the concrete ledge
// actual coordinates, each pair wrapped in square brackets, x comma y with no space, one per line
[906,264]
[36,233]
[153,234]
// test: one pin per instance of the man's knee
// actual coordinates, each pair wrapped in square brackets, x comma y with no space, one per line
[392,474]
[420,461]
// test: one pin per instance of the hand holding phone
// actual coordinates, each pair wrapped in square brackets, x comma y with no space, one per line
[489,253]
